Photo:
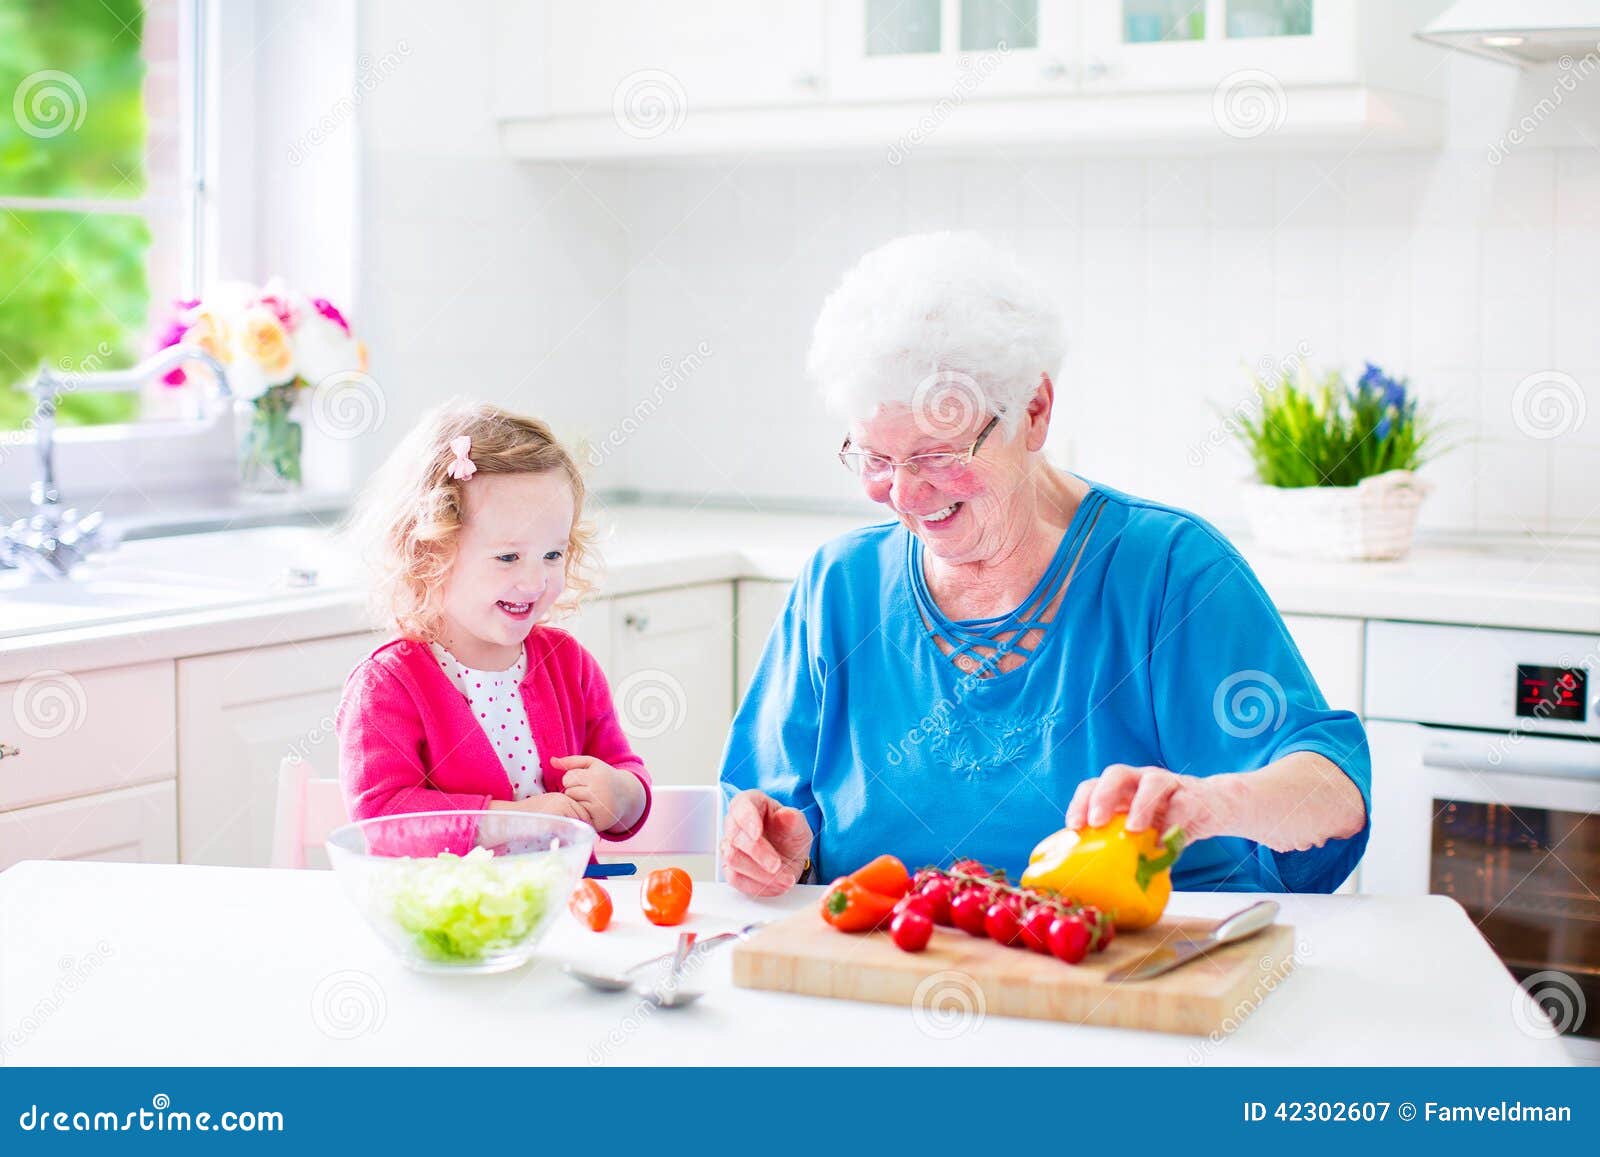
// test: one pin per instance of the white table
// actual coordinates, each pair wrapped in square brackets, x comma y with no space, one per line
[174,965]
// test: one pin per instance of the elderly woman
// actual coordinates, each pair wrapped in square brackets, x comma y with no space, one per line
[1018,643]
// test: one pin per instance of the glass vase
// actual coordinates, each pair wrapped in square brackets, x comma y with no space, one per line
[270,441]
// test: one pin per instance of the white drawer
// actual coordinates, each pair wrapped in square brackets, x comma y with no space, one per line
[86,732]
[134,825]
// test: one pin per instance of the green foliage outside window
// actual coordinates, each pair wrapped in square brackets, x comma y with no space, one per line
[73,287]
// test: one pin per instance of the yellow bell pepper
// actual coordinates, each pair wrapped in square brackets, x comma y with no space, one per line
[1127,875]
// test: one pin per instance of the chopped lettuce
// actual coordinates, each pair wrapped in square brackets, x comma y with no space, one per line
[461,908]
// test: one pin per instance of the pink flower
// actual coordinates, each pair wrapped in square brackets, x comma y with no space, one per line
[177,329]
[330,311]
[280,307]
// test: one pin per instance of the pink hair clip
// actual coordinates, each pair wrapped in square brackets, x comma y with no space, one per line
[462,466]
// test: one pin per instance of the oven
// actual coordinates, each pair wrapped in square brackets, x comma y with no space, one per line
[1486,788]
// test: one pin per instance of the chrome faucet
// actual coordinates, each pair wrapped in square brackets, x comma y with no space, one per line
[52,541]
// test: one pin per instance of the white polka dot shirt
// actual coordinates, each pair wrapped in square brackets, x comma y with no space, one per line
[496,700]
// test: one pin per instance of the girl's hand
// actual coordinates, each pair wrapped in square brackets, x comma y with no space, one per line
[1155,798]
[553,803]
[612,800]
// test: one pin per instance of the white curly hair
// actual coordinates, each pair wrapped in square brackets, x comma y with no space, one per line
[943,322]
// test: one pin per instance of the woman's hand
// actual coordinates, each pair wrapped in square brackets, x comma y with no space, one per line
[1155,798]
[764,844]
[611,799]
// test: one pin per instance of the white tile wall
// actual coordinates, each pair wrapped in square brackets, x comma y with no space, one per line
[1176,273]
[576,292]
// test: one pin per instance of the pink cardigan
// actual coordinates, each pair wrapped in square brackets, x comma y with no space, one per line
[408,741]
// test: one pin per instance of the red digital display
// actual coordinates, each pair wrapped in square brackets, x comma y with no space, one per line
[1551,693]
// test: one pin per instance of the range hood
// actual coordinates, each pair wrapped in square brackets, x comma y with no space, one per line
[1528,32]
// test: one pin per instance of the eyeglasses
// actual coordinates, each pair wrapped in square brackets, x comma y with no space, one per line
[877,467]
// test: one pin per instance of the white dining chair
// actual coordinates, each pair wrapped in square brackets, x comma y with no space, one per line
[309,807]
[684,821]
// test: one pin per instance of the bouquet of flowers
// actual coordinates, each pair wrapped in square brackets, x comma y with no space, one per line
[275,343]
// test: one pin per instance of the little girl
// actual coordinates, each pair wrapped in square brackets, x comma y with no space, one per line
[477,705]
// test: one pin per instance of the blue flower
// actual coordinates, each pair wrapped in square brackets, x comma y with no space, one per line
[1394,396]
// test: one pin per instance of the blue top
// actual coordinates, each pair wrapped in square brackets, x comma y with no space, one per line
[1164,651]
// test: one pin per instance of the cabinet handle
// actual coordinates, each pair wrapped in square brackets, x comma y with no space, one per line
[636,621]
[1096,69]
[1054,70]
[9,752]
[808,80]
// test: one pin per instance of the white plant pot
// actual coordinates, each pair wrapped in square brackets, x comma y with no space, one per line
[1374,519]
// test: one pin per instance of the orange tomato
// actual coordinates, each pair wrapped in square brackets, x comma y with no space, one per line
[885,875]
[591,905]
[665,895]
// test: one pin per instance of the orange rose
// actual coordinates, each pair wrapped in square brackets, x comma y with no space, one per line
[266,342]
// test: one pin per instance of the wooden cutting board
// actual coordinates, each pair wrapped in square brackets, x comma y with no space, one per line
[958,973]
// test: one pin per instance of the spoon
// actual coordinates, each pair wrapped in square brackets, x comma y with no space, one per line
[621,982]
[668,994]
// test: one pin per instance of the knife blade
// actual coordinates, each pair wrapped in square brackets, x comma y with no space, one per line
[1240,926]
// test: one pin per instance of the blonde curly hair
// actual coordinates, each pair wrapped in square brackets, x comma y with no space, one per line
[409,519]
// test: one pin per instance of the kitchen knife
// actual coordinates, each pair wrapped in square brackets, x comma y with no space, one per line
[1240,926]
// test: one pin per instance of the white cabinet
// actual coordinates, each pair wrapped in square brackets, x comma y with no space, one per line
[759,602]
[954,50]
[1333,650]
[1259,47]
[671,676]
[649,65]
[80,732]
[135,824]
[239,714]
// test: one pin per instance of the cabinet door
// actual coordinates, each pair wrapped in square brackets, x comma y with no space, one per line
[134,825]
[760,602]
[239,714]
[1333,649]
[650,64]
[78,733]
[951,51]
[1256,46]
[671,676]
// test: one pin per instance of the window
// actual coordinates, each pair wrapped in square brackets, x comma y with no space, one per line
[95,202]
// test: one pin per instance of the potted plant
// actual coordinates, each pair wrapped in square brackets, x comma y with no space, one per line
[1335,464]
[275,343]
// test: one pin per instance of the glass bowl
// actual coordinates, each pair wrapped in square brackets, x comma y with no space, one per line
[461,891]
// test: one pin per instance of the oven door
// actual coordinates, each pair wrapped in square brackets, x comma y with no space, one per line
[1507,826]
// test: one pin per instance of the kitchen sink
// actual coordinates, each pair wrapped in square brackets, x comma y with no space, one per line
[182,573]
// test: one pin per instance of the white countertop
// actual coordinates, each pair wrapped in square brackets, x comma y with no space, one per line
[135,964]
[1508,584]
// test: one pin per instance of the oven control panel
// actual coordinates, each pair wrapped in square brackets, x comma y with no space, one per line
[1537,682]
